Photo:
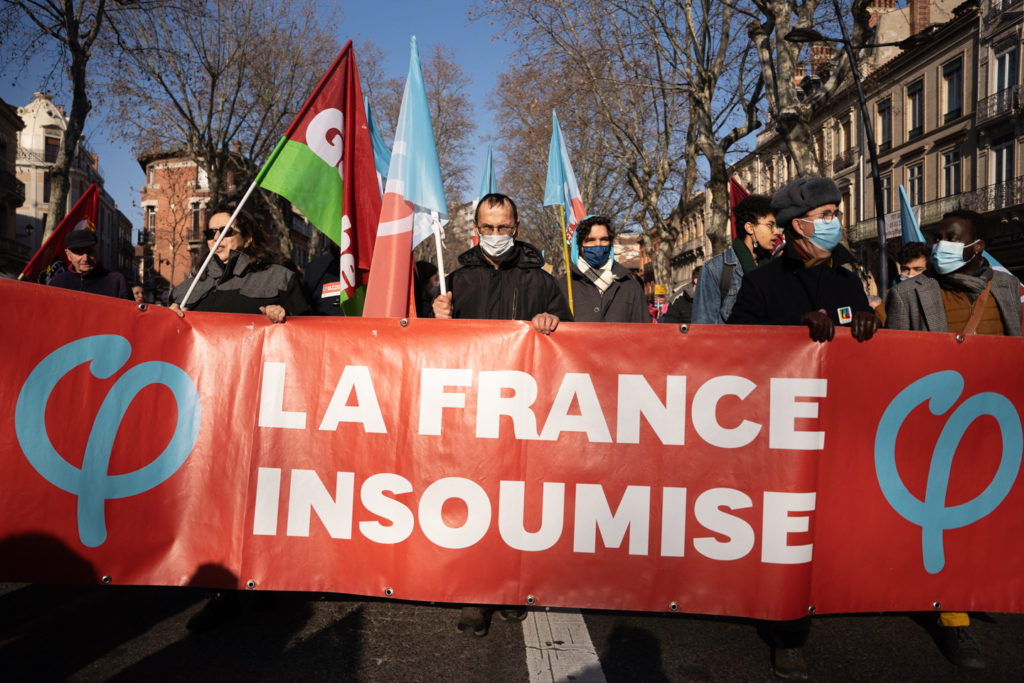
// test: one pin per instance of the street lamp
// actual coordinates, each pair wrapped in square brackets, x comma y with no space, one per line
[809,35]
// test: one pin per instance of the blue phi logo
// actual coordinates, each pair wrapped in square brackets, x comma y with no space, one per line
[92,484]
[941,390]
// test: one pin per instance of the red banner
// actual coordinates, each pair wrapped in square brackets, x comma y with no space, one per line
[727,470]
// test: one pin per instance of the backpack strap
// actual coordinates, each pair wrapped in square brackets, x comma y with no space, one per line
[726,279]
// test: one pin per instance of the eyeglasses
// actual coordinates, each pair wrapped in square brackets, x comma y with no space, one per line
[771,225]
[211,233]
[827,215]
[496,229]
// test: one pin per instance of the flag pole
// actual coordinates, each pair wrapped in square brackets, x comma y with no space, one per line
[568,267]
[436,220]
[213,249]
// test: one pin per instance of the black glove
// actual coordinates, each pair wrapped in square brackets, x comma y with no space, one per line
[864,325]
[820,326]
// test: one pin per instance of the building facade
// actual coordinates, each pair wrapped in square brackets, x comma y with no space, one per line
[39,141]
[948,123]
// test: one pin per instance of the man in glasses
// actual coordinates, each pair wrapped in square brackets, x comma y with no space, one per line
[814,281]
[85,272]
[502,278]
[721,276]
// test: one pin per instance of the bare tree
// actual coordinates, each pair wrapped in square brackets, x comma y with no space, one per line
[607,51]
[526,94]
[72,27]
[789,105]
[221,79]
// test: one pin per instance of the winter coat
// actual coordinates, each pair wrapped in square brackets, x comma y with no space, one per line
[99,280]
[236,288]
[518,289]
[622,302]
[782,291]
[916,304]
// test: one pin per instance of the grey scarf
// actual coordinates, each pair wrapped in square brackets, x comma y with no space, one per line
[973,285]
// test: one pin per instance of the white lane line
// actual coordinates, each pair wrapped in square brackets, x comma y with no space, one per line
[558,648]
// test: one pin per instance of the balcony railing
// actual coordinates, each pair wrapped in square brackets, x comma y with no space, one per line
[994,197]
[1004,102]
[844,159]
[983,200]
[994,9]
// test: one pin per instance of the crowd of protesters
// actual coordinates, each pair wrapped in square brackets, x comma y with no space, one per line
[785,267]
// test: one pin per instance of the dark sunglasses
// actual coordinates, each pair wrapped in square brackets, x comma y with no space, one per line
[211,233]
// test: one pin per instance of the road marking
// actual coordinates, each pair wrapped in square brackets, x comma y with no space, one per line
[558,648]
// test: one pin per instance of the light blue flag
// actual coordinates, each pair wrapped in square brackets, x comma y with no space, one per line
[488,183]
[908,221]
[381,153]
[560,188]
[414,172]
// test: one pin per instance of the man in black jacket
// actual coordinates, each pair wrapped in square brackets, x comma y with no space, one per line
[813,282]
[86,273]
[502,278]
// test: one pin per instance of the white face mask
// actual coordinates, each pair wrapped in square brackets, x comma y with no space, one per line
[496,246]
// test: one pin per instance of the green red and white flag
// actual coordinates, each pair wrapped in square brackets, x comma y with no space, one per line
[324,165]
[82,216]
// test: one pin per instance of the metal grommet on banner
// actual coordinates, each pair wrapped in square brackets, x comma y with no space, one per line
[530,600]
[250,584]
[684,328]
[389,592]
[143,307]
[960,339]
[106,580]
[936,605]
[674,606]
[404,322]
[811,610]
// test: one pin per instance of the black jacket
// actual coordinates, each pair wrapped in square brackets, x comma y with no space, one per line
[236,288]
[99,280]
[622,302]
[782,291]
[517,289]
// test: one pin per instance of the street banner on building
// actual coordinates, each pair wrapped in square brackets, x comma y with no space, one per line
[324,165]
[82,216]
[629,467]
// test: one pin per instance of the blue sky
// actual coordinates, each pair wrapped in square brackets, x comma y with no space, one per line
[387,25]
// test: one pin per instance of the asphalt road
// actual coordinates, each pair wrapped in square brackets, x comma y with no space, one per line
[120,633]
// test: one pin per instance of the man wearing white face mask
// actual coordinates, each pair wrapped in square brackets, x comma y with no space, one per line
[814,281]
[964,295]
[502,278]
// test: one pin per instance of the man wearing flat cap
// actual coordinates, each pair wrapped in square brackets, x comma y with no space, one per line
[85,274]
[814,281]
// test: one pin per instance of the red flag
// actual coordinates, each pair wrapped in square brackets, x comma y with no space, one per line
[324,165]
[81,217]
[736,195]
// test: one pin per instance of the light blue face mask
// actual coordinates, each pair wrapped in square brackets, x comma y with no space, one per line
[826,233]
[949,256]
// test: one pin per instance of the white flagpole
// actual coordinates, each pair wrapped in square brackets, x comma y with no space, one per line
[440,259]
[213,249]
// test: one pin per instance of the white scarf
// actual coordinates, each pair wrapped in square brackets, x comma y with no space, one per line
[602,277]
